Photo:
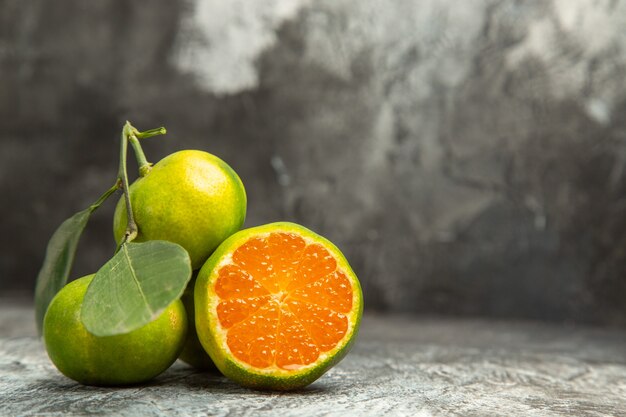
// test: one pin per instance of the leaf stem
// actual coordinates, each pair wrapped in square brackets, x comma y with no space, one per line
[103,197]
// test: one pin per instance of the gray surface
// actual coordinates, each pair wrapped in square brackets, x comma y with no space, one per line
[468,156]
[399,367]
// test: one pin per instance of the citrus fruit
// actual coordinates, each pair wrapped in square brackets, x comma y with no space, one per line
[191,198]
[193,353]
[277,306]
[112,360]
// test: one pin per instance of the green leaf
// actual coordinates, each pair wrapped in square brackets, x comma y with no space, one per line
[59,258]
[57,264]
[135,286]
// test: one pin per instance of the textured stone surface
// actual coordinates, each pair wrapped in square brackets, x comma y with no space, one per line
[399,367]
[468,156]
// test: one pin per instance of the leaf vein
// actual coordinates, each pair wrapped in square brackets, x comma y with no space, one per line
[136,280]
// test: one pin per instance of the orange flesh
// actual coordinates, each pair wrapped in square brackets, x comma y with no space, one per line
[282,302]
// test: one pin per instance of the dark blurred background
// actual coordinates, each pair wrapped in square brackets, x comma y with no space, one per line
[467,156]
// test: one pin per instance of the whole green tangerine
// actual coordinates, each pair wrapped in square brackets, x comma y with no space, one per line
[123,359]
[190,197]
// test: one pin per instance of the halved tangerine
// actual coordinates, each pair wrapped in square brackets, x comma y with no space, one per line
[277,306]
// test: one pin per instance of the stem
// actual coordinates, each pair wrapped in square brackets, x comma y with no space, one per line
[149,133]
[132,135]
[144,165]
[131,227]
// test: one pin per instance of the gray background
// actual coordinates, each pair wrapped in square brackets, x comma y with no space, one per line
[467,156]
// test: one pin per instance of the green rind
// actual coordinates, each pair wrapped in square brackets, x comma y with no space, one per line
[190,197]
[193,353]
[205,321]
[119,360]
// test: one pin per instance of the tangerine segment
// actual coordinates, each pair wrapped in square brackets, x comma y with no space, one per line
[295,347]
[235,310]
[324,326]
[285,251]
[235,282]
[315,263]
[332,291]
[283,301]
[254,258]
[273,260]
[254,340]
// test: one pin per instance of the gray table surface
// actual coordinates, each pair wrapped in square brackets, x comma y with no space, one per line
[399,366]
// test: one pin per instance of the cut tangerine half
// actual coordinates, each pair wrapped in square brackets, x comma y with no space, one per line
[277,306]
